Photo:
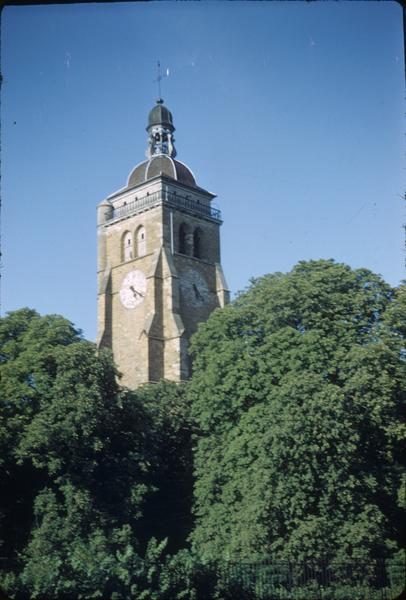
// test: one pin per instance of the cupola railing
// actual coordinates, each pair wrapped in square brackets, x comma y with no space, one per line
[170,199]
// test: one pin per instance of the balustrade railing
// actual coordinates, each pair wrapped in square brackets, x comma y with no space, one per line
[169,198]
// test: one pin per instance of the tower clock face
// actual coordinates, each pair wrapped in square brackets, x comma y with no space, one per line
[194,288]
[133,289]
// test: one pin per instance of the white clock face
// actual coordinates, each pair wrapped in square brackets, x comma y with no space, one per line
[194,288]
[133,289]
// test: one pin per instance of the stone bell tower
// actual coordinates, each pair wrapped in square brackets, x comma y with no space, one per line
[159,271]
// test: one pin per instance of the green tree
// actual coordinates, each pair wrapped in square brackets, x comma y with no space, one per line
[27,344]
[168,512]
[82,459]
[297,392]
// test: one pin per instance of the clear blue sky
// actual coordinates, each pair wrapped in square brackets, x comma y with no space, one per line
[291,112]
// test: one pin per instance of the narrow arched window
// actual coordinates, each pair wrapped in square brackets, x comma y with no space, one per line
[141,241]
[197,243]
[182,239]
[127,246]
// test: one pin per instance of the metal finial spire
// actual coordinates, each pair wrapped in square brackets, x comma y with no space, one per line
[158,80]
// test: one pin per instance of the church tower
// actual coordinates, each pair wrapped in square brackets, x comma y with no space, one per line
[159,271]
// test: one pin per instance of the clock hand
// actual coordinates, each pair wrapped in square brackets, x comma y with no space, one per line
[134,291]
[197,293]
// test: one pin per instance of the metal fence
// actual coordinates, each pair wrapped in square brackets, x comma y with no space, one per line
[268,580]
[170,199]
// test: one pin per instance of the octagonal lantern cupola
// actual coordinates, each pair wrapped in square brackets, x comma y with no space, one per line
[160,131]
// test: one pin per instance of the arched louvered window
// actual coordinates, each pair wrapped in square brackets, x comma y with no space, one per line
[197,243]
[127,251]
[182,239]
[141,241]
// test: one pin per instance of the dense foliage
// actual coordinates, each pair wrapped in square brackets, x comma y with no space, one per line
[289,432]
[297,391]
[80,458]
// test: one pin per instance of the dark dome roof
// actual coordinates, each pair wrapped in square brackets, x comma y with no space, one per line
[160,115]
[161,165]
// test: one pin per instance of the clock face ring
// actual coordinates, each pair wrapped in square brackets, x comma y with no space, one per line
[133,289]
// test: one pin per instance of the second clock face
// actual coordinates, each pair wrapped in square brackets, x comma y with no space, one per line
[194,288]
[133,289]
